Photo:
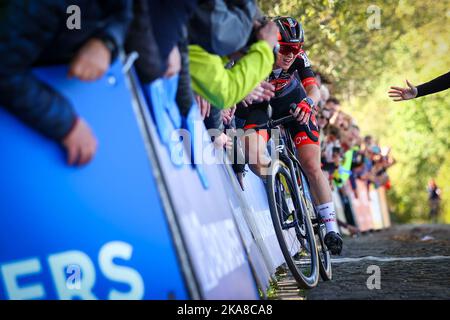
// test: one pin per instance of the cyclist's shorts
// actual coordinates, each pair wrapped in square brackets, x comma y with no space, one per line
[257,115]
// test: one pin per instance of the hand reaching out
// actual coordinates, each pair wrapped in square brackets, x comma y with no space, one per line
[401,94]
[263,92]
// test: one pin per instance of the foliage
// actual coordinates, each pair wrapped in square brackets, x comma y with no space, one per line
[362,62]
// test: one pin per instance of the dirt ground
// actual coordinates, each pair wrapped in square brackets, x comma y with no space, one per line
[413,263]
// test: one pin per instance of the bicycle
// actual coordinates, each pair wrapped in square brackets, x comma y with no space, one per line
[299,229]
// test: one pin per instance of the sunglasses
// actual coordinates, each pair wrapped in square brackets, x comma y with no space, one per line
[286,49]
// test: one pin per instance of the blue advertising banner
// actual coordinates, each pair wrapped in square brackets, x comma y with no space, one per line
[241,212]
[95,232]
[202,209]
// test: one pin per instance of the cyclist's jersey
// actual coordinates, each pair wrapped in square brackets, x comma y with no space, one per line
[287,83]
[289,88]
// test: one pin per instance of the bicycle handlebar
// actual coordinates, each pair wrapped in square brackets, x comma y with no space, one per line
[275,123]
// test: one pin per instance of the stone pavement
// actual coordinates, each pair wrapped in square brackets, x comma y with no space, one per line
[413,263]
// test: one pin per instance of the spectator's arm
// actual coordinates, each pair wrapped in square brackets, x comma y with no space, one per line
[237,17]
[23,36]
[226,87]
[120,14]
[141,38]
[436,85]
[222,26]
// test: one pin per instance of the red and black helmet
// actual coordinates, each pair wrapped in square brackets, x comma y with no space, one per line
[290,31]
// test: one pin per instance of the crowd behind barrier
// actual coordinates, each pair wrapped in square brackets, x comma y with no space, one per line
[166,188]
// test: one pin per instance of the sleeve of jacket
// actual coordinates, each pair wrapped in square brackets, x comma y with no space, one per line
[222,87]
[232,15]
[120,15]
[222,26]
[170,17]
[436,85]
[23,35]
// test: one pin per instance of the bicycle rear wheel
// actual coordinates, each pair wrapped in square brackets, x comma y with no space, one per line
[294,230]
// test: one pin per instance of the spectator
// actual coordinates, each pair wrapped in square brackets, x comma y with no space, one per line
[331,143]
[35,33]
[222,27]
[152,63]
[334,105]
[434,199]
[224,87]
[411,92]
[163,54]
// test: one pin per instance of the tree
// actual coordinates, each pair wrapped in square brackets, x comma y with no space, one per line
[366,46]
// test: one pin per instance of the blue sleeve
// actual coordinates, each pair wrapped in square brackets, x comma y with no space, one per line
[24,33]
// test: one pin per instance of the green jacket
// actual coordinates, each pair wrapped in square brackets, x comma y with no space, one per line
[223,88]
[345,170]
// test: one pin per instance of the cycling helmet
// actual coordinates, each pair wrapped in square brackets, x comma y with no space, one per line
[290,31]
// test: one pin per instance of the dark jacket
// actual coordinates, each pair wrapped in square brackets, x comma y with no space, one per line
[436,85]
[169,19]
[158,26]
[222,26]
[34,33]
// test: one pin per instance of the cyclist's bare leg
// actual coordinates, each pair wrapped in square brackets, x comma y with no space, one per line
[255,153]
[309,157]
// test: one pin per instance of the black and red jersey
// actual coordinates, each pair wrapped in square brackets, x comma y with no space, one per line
[290,84]
[289,88]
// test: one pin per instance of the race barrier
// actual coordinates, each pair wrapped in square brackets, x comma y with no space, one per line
[369,209]
[199,198]
[148,218]
[97,232]
[130,225]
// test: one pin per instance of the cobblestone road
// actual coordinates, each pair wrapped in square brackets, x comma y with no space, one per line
[414,263]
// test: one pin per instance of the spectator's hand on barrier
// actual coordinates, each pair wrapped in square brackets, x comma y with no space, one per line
[80,144]
[228,115]
[173,63]
[232,112]
[222,141]
[401,94]
[227,118]
[302,113]
[204,105]
[91,62]
[269,33]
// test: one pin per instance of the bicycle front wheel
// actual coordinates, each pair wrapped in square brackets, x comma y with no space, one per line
[293,229]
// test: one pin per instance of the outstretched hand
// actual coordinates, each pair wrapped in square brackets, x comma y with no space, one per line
[263,92]
[401,94]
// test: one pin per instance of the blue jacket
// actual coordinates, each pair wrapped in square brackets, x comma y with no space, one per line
[34,33]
